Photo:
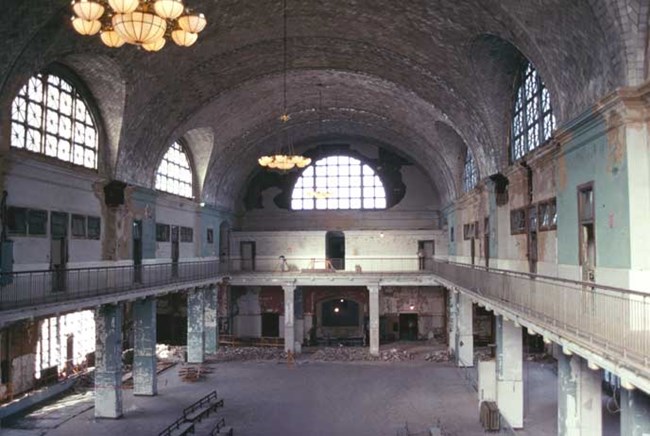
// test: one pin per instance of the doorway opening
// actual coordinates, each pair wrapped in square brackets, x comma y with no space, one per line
[335,249]
[486,241]
[587,235]
[532,239]
[224,242]
[137,251]
[247,250]
[59,250]
[270,325]
[176,250]
[408,326]
[426,250]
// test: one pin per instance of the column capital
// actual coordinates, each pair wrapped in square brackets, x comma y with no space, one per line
[373,288]
[289,287]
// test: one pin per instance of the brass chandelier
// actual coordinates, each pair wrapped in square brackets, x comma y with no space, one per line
[145,23]
[280,161]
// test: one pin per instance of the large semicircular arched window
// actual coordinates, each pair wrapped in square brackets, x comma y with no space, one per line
[338,182]
[49,116]
[533,121]
[174,173]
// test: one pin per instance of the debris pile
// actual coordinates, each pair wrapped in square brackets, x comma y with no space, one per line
[170,353]
[229,354]
[193,373]
[347,354]
[395,355]
[437,356]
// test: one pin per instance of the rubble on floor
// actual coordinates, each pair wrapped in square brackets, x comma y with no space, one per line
[171,353]
[229,354]
[437,356]
[347,354]
[193,372]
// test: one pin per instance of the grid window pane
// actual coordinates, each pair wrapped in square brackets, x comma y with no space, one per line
[48,115]
[174,174]
[533,122]
[338,182]
[470,174]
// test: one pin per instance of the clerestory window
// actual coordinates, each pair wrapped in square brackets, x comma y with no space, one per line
[174,173]
[470,173]
[48,116]
[338,182]
[533,121]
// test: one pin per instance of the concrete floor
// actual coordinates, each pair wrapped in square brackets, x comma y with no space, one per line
[318,398]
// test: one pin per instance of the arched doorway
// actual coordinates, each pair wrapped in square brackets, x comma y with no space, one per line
[335,249]
[340,321]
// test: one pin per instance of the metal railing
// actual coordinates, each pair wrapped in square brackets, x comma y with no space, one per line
[608,318]
[31,288]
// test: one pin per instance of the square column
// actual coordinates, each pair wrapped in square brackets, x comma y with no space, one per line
[145,374]
[453,323]
[210,320]
[635,413]
[579,398]
[373,308]
[510,385]
[108,361]
[195,326]
[465,331]
[289,316]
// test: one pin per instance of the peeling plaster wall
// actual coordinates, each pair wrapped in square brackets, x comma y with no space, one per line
[428,303]
[21,338]
[181,212]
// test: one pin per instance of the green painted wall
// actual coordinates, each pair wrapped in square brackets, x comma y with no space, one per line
[588,157]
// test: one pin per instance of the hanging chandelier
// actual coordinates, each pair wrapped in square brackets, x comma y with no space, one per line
[280,161]
[145,23]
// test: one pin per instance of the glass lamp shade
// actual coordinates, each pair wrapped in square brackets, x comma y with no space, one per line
[155,46]
[193,23]
[87,9]
[183,38]
[265,160]
[112,39]
[123,6]
[86,27]
[301,161]
[170,9]
[139,27]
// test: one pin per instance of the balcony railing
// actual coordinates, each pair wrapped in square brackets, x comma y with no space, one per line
[604,317]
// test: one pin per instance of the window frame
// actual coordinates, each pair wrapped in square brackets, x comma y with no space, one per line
[551,204]
[519,230]
[190,162]
[520,111]
[163,232]
[345,182]
[186,235]
[86,97]
[470,172]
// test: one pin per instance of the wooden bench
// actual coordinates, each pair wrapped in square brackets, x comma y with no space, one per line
[221,428]
[202,407]
[178,428]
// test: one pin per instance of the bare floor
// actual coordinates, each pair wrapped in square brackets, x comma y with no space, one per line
[314,398]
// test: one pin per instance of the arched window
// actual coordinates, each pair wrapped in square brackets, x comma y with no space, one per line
[174,173]
[470,174]
[533,121]
[338,182]
[48,116]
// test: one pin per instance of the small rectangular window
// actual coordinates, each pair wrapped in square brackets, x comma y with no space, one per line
[162,232]
[78,226]
[518,221]
[17,220]
[37,222]
[451,234]
[586,204]
[210,236]
[187,234]
[59,225]
[94,227]
[547,215]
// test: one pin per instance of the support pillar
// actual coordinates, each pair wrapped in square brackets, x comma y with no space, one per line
[373,308]
[108,361]
[145,375]
[453,323]
[465,331]
[635,413]
[510,385]
[195,326]
[289,316]
[210,320]
[579,398]
[298,321]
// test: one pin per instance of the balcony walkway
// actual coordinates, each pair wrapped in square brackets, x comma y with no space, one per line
[608,326]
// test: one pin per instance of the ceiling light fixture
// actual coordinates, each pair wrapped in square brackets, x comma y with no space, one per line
[290,160]
[145,23]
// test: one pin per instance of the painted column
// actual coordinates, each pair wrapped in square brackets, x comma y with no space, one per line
[373,308]
[289,315]
[299,321]
[210,320]
[108,361]
[510,385]
[635,413]
[195,326]
[453,324]
[465,330]
[579,398]
[145,376]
